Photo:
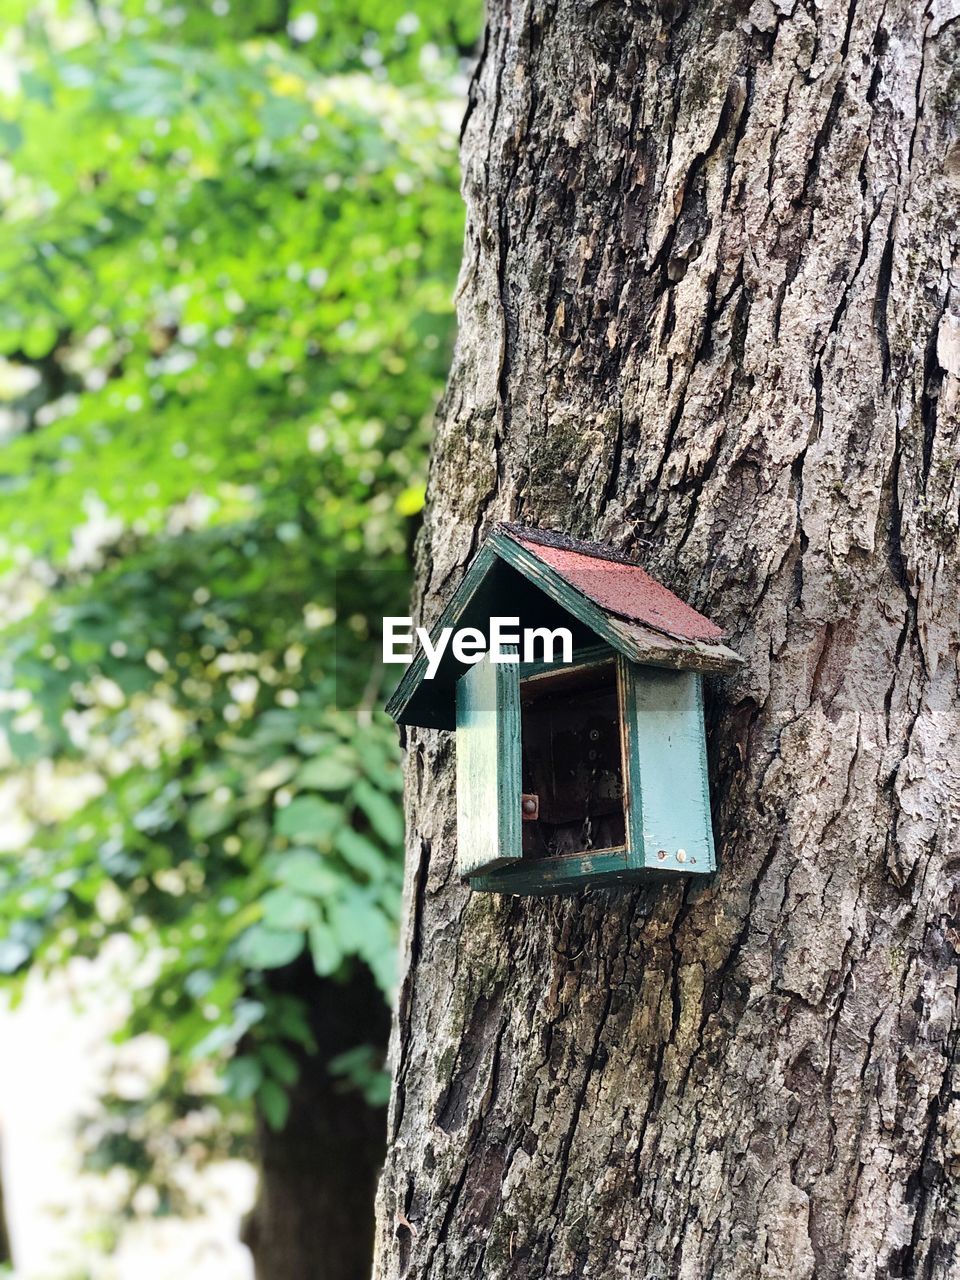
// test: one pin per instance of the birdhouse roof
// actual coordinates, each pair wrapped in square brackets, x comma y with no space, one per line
[614,583]
[549,579]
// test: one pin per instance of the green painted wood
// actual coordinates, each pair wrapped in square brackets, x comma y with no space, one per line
[413,677]
[669,817]
[632,789]
[488,766]
[535,876]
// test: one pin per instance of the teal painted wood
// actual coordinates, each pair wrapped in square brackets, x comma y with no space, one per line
[705,773]
[669,819]
[551,875]
[666,791]
[488,766]
[632,789]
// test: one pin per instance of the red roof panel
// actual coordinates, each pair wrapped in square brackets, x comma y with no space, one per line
[615,584]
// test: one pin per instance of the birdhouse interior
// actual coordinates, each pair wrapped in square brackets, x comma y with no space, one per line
[572,762]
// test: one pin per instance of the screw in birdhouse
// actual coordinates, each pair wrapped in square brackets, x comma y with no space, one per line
[681,855]
[661,854]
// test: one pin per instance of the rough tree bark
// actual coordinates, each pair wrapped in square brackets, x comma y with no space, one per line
[313,1219]
[709,313]
[6,1253]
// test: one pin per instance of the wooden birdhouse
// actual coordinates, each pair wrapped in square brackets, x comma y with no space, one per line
[590,768]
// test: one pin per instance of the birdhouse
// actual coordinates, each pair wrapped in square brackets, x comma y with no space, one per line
[583,767]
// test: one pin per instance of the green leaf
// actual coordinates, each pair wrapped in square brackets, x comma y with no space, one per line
[325,951]
[13,955]
[274,1104]
[308,818]
[384,814]
[361,1068]
[242,1077]
[281,1064]
[284,909]
[290,1021]
[246,1014]
[361,853]
[327,773]
[364,930]
[276,773]
[11,135]
[209,816]
[265,948]
[381,762]
[307,872]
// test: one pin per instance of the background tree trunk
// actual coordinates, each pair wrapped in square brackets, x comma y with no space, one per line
[6,1253]
[313,1219]
[709,313]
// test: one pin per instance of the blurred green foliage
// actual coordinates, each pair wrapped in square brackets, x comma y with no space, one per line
[229,237]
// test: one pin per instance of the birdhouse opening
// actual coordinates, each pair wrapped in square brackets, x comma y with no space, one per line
[572,762]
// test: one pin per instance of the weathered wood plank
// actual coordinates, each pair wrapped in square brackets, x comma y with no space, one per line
[488,767]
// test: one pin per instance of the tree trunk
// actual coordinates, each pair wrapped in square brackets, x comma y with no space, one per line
[313,1219]
[709,313]
[6,1253]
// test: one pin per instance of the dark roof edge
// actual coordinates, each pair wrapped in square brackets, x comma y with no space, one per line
[565,542]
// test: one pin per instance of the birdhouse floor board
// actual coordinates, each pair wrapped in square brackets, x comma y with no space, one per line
[552,877]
